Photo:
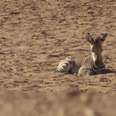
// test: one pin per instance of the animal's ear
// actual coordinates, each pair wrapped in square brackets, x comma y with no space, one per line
[89,38]
[103,36]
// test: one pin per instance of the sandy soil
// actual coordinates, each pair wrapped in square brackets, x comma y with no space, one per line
[34,36]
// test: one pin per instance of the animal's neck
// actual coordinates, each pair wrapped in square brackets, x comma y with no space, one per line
[97,59]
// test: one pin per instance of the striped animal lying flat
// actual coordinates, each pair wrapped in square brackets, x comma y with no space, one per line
[68,65]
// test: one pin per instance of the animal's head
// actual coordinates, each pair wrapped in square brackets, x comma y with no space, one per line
[96,42]
[96,47]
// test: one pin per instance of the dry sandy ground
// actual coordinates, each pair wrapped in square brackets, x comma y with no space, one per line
[34,36]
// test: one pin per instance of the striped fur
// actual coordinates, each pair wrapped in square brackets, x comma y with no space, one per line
[68,65]
[91,65]
[94,63]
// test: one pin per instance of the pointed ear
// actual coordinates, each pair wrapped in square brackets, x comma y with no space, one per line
[103,36]
[89,38]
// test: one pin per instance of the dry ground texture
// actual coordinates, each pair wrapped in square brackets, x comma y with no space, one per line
[34,36]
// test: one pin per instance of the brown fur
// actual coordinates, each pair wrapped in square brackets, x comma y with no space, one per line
[94,63]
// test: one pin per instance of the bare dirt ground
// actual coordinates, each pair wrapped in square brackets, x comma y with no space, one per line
[34,36]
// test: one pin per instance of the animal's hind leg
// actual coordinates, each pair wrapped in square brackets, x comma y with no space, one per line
[84,71]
